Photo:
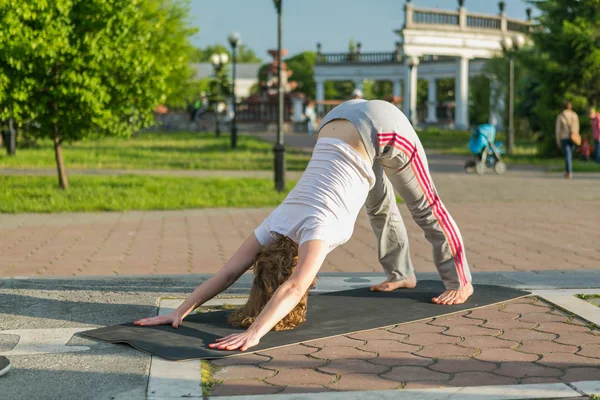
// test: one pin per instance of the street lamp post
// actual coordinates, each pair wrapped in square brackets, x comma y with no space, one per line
[279,149]
[234,41]
[218,61]
[509,44]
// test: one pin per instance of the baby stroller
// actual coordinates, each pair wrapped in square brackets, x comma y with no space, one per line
[488,154]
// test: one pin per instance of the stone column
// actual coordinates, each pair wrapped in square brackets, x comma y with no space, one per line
[320,95]
[410,89]
[432,101]
[461,119]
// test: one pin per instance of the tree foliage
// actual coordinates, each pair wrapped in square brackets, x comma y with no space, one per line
[377,89]
[479,100]
[303,73]
[338,90]
[168,20]
[77,68]
[243,54]
[565,62]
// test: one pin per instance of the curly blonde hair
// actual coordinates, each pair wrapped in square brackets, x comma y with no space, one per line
[274,265]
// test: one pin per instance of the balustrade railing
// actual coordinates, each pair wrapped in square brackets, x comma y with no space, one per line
[374,58]
[416,18]
[435,17]
[362,58]
[484,22]
[518,26]
[463,20]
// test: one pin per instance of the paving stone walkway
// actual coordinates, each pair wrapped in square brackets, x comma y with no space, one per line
[519,342]
[523,236]
[524,222]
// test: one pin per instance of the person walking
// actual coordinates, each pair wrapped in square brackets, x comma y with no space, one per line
[311,117]
[595,122]
[567,135]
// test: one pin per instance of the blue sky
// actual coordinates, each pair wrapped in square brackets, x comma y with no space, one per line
[306,22]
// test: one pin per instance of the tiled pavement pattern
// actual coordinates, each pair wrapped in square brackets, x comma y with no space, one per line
[521,236]
[522,341]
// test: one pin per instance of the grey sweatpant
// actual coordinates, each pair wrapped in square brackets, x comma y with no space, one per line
[399,163]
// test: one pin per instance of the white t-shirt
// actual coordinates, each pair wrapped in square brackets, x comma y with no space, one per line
[326,201]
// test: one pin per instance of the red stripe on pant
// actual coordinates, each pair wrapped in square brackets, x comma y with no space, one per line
[433,199]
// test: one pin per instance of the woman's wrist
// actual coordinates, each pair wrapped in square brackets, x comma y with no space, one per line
[182,313]
[256,330]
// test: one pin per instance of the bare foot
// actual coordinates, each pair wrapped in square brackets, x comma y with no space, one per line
[387,286]
[454,296]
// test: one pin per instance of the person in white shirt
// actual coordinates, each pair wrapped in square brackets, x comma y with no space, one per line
[311,117]
[365,150]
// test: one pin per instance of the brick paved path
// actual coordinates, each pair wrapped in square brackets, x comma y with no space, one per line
[522,341]
[500,236]
[524,220]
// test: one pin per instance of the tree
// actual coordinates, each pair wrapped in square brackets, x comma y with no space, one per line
[352,46]
[78,68]
[169,19]
[377,90]
[203,55]
[243,54]
[303,73]
[219,94]
[338,90]
[497,71]
[479,100]
[566,60]
[445,89]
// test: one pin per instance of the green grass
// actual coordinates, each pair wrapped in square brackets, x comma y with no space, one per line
[445,141]
[204,151]
[588,297]
[208,382]
[457,143]
[120,193]
[525,151]
[158,150]
[40,194]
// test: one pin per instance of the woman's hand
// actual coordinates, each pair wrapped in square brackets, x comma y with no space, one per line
[174,319]
[241,341]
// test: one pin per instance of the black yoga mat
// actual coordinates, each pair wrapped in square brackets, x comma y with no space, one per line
[329,314]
